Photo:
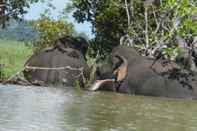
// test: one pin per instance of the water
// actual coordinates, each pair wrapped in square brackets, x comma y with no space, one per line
[54,109]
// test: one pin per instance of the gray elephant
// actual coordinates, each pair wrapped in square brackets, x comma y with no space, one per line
[128,72]
[59,65]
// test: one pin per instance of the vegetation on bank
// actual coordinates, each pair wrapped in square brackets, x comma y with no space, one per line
[148,25]
[13,55]
[49,30]
[164,29]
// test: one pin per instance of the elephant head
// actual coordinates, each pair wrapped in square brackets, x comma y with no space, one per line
[112,75]
[129,72]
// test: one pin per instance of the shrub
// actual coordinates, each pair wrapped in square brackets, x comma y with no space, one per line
[50,30]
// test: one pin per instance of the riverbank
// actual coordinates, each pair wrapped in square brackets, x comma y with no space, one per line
[13,55]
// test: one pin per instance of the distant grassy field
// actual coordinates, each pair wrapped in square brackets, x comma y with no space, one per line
[13,55]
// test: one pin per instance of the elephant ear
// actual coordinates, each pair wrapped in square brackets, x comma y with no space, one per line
[120,68]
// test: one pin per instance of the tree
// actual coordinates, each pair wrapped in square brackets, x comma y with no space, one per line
[49,30]
[13,9]
[149,25]
[107,19]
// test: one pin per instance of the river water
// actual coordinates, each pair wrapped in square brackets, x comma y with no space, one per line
[55,109]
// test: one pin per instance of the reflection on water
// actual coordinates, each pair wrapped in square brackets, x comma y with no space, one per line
[53,109]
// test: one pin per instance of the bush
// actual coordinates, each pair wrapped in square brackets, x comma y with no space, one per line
[148,23]
[50,30]
[2,75]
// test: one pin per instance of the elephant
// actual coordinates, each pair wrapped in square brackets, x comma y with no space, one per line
[126,71]
[78,43]
[57,66]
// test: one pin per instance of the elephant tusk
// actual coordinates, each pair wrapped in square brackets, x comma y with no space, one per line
[97,84]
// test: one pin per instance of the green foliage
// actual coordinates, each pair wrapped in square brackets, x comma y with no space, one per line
[78,87]
[50,30]
[108,21]
[185,9]
[2,73]
[13,9]
[171,53]
[166,19]
[13,55]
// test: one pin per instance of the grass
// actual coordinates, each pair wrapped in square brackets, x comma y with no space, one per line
[13,55]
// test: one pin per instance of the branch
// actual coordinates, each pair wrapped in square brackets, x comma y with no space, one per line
[126,40]
[128,13]
[146,27]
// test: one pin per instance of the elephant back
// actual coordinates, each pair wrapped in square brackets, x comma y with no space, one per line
[55,67]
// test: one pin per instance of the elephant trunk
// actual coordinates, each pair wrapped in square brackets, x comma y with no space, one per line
[119,74]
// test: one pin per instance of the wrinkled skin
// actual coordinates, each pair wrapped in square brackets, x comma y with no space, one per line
[78,43]
[143,78]
[71,59]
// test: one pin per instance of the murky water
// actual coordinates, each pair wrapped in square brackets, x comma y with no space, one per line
[53,109]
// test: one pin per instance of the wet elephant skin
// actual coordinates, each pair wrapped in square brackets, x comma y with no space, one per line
[55,59]
[142,79]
